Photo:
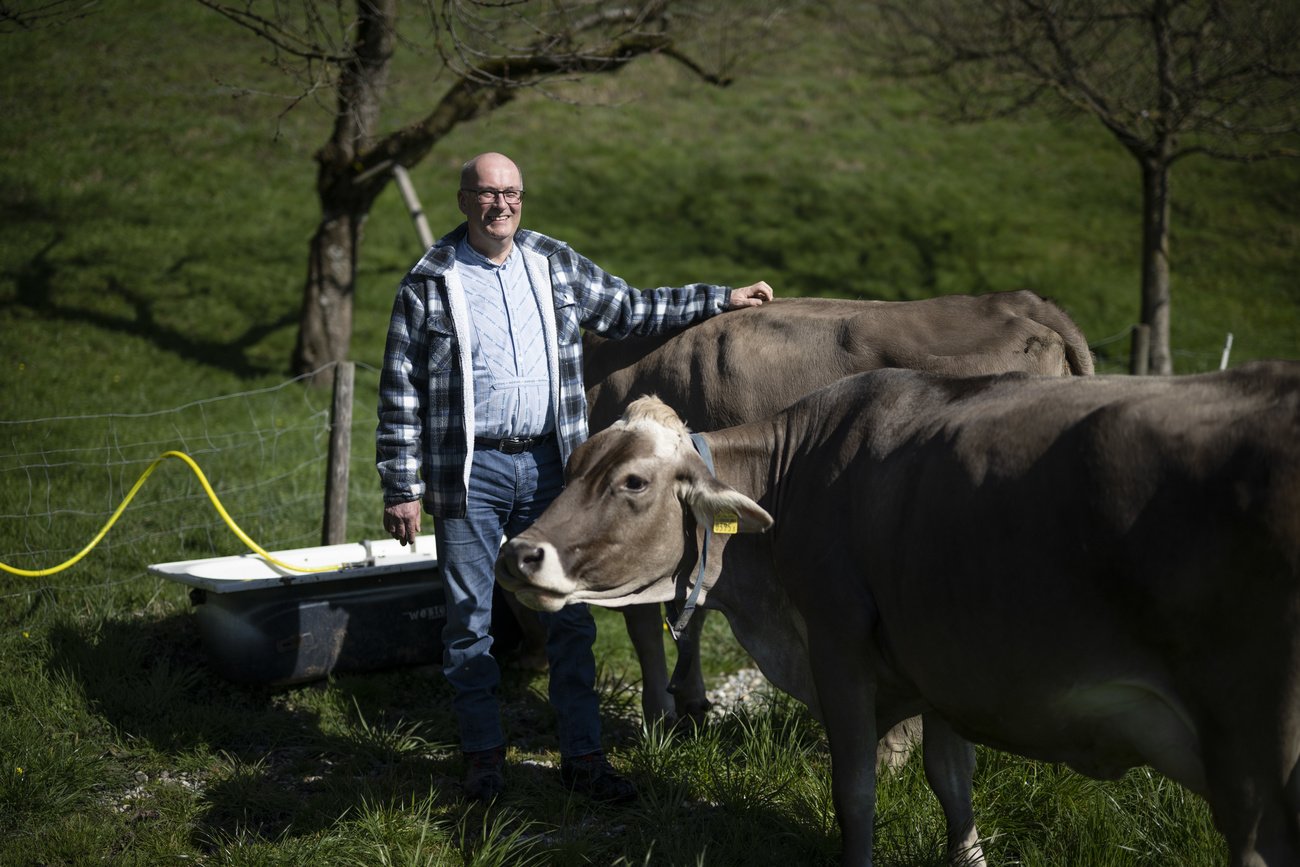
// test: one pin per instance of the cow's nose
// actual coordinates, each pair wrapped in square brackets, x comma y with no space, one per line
[523,559]
[531,558]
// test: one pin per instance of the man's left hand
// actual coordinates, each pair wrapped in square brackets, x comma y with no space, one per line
[750,296]
[402,521]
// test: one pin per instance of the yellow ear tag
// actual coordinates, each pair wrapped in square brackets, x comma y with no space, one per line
[726,521]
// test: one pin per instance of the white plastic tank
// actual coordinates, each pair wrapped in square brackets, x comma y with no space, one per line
[383,606]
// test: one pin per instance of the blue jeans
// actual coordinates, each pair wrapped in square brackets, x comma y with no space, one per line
[507,493]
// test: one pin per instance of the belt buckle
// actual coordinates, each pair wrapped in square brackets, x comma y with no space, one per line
[514,445]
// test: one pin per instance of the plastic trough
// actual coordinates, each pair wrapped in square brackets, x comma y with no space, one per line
[261,624]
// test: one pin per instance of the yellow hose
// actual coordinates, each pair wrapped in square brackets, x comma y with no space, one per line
[37,573]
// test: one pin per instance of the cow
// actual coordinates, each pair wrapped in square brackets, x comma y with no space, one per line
[750,363]
[1099,571]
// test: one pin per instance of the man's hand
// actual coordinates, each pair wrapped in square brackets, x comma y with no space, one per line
[403,521]
[750,296]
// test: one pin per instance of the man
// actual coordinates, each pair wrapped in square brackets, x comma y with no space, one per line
[481,403]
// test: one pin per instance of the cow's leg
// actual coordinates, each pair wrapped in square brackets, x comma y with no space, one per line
[950,769]
[1256,819]
[896,746]
[1278,840]
[532,646]
[645,627]
[692,702]
[846,692]
[1255,795]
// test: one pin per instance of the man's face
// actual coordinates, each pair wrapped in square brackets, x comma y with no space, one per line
[492,225]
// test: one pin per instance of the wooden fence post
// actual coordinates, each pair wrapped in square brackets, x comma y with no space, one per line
[1227,349]
[1140,357]
[334,527]
[412,201]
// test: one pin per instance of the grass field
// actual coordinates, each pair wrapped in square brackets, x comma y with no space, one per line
[153,237]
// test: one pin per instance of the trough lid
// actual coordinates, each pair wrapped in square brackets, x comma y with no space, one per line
[243,572]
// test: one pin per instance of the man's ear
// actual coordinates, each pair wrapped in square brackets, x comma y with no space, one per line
[723,508]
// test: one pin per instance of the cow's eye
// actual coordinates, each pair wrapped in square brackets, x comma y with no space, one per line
[635,483]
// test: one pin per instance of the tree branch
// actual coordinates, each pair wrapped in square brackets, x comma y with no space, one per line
[276,34]
[501,79]
[1232,156]
[53,13]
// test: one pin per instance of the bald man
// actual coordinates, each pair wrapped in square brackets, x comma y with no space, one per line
[480,405]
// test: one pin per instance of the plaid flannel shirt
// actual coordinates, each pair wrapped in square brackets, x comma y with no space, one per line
[425,437]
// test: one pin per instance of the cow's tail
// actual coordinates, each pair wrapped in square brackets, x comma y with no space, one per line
[1077,354]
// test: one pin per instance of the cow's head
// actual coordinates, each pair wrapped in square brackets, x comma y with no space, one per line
[620,531]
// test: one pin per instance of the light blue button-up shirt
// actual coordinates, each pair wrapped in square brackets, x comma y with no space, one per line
[511,383]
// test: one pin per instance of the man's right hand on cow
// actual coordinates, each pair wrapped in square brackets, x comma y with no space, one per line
[403,521]
[750,296]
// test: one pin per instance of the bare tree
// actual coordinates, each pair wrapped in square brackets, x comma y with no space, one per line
[1167,78]
[487,51]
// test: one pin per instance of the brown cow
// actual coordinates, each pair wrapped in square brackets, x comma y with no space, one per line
[749,364]
[1098,571]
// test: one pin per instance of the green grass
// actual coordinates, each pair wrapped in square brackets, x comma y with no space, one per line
[127,748]
[153,237]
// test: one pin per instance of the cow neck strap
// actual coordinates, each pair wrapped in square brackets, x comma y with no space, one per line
[677,623]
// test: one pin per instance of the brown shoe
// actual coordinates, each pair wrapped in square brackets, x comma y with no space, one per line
[483,779]
[593,776]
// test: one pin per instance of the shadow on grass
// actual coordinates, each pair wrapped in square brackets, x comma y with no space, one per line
[271,764]
[266,761]
[362,757]
[35,283]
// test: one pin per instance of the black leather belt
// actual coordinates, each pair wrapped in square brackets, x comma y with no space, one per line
[511,445]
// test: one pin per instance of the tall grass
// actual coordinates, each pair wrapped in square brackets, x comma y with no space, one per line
[153,231]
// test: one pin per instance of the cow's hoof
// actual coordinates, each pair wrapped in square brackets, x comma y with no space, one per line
[692,717]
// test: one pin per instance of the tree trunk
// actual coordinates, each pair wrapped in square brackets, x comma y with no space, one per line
[325,327]
[1155,260]
[325,324]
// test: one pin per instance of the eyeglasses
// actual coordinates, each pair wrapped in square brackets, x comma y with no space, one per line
[487,197]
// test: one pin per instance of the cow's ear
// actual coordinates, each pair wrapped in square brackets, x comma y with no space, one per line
[723,508]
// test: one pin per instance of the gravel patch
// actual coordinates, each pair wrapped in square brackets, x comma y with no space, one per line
[746,687]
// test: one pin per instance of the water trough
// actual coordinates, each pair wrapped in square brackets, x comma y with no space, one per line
[262,624]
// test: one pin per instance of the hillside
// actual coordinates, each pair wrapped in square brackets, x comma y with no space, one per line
[155,224]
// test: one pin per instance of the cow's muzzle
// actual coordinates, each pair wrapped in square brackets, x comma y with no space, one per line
[532,571]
